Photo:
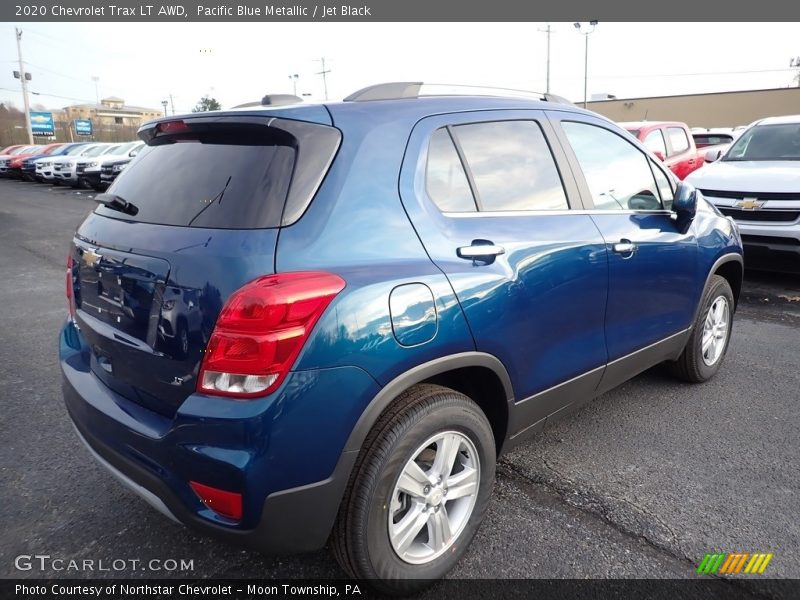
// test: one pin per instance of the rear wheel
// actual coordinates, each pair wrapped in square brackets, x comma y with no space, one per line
[418,492]
[708,344]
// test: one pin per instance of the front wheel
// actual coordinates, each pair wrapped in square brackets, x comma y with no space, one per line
[418,492]
[708,344]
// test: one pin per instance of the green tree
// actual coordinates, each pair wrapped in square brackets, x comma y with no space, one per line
[207,103]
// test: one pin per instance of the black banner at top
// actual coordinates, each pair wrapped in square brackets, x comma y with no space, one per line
[396,11]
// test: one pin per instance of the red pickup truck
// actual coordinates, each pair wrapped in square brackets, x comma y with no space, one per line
[671,142]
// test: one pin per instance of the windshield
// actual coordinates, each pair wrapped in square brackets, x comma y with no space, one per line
[221,182]
[61,150]
[123,149]
[19,150]
[74,151]
[96,151]
[767,142]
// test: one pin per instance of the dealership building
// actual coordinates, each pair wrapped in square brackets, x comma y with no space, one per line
[111,111]
[720,109]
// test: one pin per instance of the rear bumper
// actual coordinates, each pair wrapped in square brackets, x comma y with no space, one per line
[283,453]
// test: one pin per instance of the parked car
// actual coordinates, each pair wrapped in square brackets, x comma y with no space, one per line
[65,170]
[757,183]
[15,153]
[43,164]
[14,166]
[671,142]
[89,171]
[706,138]
[8,149]
[110,170]
[25,167]
[45,168]
[394,293]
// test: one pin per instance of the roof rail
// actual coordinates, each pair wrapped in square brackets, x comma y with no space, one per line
[414,89]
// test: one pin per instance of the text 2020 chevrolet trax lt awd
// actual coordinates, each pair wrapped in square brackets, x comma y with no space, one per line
[290,324]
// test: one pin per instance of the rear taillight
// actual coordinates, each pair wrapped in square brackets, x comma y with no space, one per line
[69,287]
[261,330]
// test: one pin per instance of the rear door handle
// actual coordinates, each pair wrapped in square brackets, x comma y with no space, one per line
[624,247]
[480,251]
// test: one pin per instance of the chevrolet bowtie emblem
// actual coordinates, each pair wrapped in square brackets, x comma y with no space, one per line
[91,258]
[749,204]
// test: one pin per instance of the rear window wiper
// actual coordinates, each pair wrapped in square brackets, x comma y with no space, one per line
[115,202]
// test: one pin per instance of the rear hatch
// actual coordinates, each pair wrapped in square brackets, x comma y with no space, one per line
[204,203]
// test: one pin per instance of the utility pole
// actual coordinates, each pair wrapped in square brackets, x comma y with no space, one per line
[172,104]
[548,31]
[23,77]
[324,78]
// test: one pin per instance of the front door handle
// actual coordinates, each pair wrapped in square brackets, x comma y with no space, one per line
[624,247]
[480,251]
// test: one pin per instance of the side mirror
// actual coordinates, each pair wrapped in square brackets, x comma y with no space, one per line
[133,153]
[685,202]
[659,155]
[713,155]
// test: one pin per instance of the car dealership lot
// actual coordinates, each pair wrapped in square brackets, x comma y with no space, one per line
[641,483]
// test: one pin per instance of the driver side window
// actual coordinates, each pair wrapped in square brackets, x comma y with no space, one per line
[617,173]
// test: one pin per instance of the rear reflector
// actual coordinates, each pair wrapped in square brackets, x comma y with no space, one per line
[261,330]
[224,503]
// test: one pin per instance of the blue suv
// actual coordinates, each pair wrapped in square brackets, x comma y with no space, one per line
[294,324]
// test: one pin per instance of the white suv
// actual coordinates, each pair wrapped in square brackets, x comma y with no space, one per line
[64,166]
[88,169]
[757,182]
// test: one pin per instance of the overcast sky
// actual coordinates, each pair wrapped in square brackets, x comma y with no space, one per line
[240,62]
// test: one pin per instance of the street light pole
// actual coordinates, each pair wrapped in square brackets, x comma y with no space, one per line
[548,31]
[293,79]
[586,35]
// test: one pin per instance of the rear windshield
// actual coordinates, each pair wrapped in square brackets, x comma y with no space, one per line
[207,183]
[711,139]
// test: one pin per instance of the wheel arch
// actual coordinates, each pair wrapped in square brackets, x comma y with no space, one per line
[733,271]
[731,267]
[478,375]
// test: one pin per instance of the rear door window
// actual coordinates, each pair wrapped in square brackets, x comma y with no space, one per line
[445,178]
[512,166]
[678,139]
[654,141]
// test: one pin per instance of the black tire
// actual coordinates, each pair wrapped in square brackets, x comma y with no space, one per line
[360,539]
[691,366]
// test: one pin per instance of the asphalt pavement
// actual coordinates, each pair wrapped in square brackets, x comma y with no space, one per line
[641,483]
